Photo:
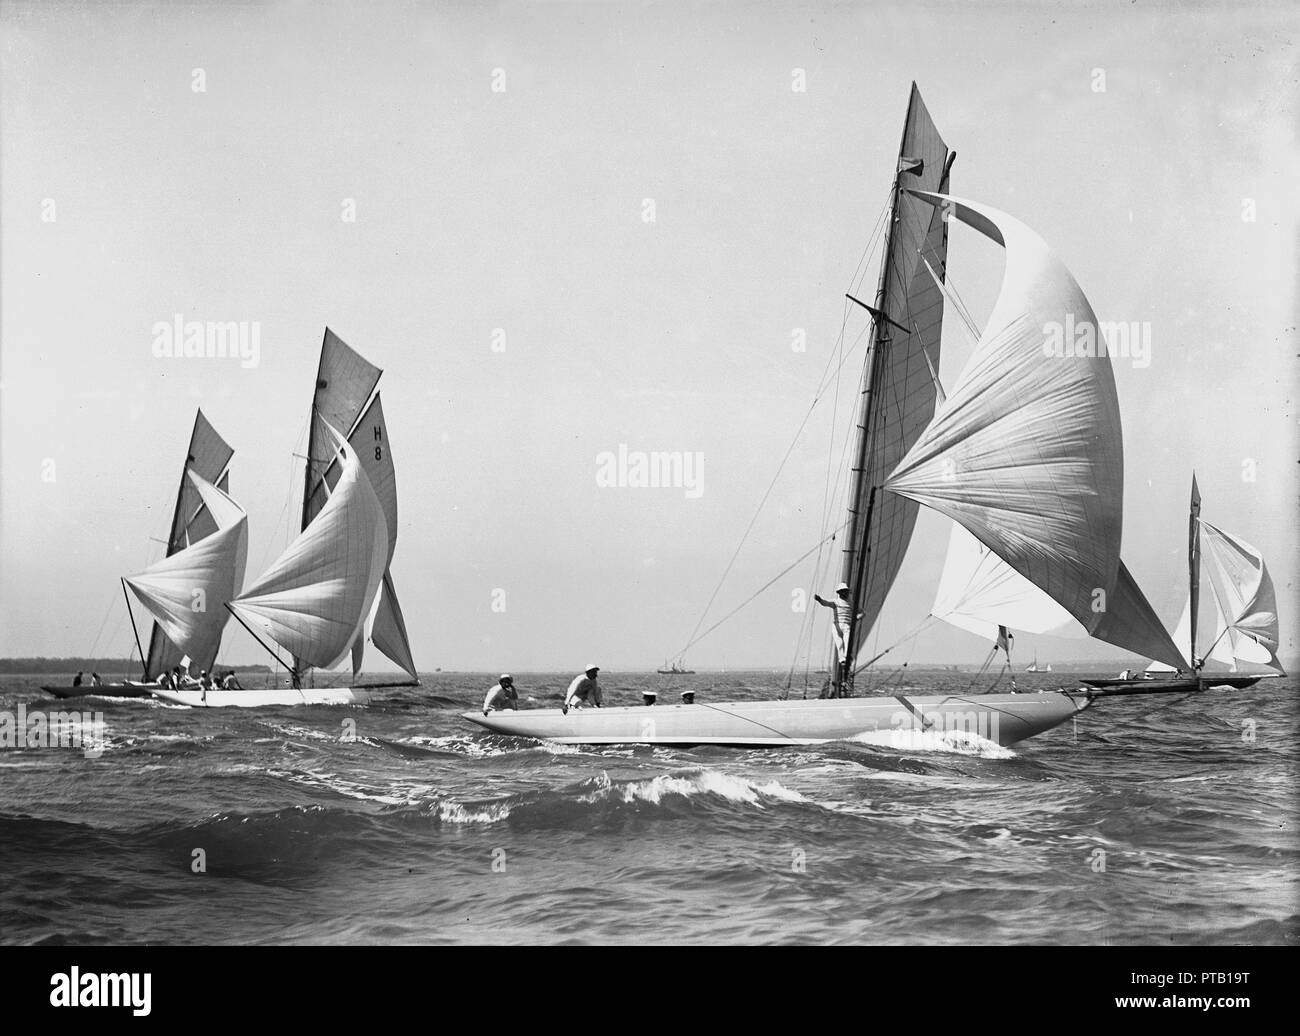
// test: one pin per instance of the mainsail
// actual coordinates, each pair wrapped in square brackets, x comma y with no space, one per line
[344,383]
[1026,452]
[898,387]
[979,592]
[314,600]
[208,456]
[186,592]
[1244,592]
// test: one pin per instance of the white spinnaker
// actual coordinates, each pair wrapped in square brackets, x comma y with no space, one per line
[187,592]
[1026,451]
[979,592]
[1244,590]
[315,598]
[1221,650]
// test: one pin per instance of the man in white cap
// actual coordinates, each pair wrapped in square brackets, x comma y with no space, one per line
[583,688]
[502,695]
[841,626]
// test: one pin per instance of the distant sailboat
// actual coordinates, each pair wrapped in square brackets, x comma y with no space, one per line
[1241,588]
[1025,454]
[203,567]
[316,599]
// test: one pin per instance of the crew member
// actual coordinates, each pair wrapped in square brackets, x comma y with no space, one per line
[841,629]
[502,695]
[584,689]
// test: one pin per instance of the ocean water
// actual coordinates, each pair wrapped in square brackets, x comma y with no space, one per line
[1146,821]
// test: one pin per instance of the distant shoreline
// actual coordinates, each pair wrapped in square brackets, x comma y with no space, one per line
[103,666]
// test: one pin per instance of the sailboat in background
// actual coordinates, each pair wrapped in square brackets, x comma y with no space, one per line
[202,569]
[676,669]
[1240,587]
[1025,454]
[1034,667]
[334,579]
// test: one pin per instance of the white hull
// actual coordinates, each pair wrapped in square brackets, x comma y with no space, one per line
[259,698]
[1002,718]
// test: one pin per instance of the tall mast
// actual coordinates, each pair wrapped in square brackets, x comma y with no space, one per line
[208,456]
[897,391]
[1194,566]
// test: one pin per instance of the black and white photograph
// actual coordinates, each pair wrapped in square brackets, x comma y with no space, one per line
[569,474]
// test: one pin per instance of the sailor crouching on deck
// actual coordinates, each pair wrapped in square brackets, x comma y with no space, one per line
[502,695]
[583,689]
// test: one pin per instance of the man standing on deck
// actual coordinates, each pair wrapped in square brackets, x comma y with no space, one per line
[841,626]
[502,695]
[584,687]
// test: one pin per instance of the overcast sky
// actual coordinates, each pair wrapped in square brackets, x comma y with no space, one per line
[499,159]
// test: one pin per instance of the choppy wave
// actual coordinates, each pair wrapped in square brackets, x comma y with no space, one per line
[312,830]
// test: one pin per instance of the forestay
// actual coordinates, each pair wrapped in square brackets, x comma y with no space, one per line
[1220,650]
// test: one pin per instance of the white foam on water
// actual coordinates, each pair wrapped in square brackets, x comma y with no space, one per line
[687,785]
[455,813]
[464,744]
[304,733]
[959,742]
[397,795]
[559,748]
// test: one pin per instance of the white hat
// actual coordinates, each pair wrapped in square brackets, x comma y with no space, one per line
[591,667]
[842,586]
[506,678]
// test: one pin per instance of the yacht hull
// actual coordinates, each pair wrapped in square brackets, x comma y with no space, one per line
[275,696]
[1001,718]
[104,690]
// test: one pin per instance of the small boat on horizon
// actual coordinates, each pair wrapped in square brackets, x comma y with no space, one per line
[675,669]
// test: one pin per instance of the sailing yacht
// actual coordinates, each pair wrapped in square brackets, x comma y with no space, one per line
[202,569]
[335,579]
[1240,587]
[1024,454]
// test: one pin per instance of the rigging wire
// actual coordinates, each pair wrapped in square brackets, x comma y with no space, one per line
[831,489]
[828,375]
[797,561]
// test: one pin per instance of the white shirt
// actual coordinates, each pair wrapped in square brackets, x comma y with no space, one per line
[507,694]
[583,688]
